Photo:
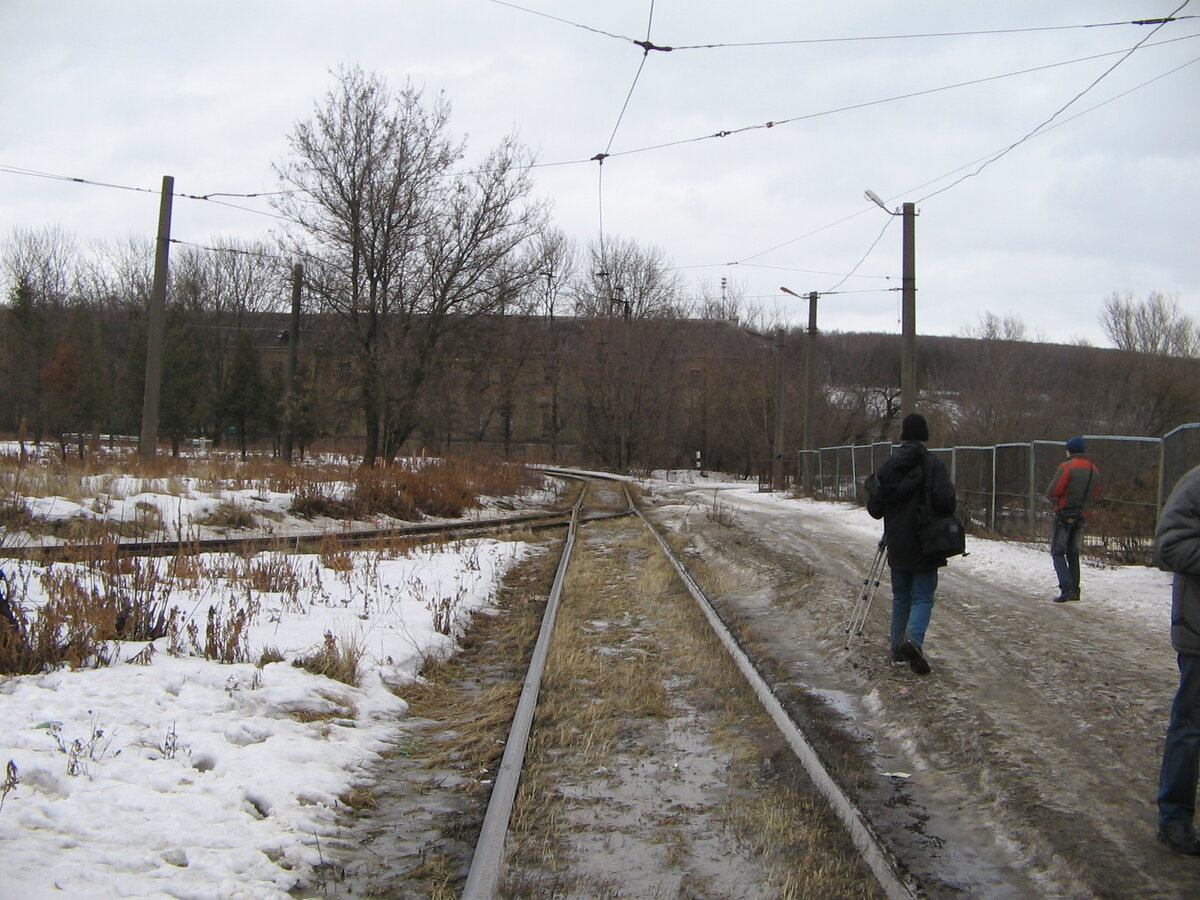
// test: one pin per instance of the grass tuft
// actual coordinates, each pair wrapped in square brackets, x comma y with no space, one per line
[334,659]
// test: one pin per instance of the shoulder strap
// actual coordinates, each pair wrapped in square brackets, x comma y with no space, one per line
[927,471]
[1087,488]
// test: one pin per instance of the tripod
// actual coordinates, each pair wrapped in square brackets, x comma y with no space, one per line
[862,605]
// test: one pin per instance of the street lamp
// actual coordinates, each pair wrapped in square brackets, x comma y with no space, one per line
[908,305]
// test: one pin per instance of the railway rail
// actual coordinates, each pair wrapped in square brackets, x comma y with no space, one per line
[299,543]
[484,877]
[483,880]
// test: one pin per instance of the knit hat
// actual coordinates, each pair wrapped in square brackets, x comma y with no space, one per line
[914,428]
[1076,445]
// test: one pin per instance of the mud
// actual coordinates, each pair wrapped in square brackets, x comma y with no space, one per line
[1025,765]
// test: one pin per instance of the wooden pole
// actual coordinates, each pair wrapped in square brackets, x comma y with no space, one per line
[148,441]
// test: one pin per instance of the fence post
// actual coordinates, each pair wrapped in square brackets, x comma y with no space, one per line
[1162,476]
[1032,488]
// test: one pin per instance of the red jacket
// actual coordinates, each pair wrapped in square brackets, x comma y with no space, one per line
[1075,486]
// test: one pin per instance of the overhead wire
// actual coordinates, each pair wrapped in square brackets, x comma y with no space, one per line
[600,31]
[874,244]
[866,209]
[921,35]
[18,170]
[231,250]
[600,157]
[646,46]
[1058,111]
[891,99]
[985,32]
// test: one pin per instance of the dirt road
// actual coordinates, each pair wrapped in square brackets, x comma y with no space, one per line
[1025,765]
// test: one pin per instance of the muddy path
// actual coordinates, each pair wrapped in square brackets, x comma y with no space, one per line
[1025,765]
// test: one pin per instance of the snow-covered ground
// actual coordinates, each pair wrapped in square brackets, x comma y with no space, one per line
[1133,590]
[168,775]
[188,508]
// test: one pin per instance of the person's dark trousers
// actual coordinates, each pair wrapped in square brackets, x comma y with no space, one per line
[1065,544]
[1181,754]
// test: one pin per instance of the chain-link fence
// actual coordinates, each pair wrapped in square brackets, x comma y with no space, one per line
[1000,488]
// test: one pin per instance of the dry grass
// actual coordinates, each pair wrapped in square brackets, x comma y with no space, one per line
[339,660]
[228,517]
[87,608]
[631,648]
[405,490]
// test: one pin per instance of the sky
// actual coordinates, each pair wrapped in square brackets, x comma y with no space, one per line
[1100,199]
[215,780]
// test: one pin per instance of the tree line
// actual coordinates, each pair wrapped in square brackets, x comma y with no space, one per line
[442,308]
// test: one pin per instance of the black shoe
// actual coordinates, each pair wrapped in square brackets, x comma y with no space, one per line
[1066,598]
[916,659]
[1178,835]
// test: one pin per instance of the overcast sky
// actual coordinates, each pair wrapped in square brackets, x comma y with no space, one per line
[1106,199]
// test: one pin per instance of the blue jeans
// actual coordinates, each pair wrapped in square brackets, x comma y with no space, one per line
[1065,544]
[1181,754]
[912,603]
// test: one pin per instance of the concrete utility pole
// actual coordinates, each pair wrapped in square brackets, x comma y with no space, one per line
[810,389]
[148,441]
[908,315]
[777,464]
[289,390]
[908,306]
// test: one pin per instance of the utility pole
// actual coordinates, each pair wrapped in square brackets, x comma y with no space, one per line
[627,374]
[908,315]
[777,463]
[810,389]
[148,441]
[289,391]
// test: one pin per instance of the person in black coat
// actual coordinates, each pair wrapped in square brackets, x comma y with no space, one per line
[1177,549]
[900,501]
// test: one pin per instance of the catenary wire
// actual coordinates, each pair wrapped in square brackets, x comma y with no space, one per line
[920,35]
[874,244]
[647,45]
[868,103]
[866,209]
[1057,112]
[1047,130]
[600,31]
[600,157]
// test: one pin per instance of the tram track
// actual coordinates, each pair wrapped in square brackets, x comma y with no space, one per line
[486,874]
[306,542]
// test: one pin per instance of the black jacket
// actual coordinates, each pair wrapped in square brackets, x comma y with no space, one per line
[900,502]
[1177,549]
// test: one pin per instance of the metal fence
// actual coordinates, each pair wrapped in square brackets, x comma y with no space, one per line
[1000,488]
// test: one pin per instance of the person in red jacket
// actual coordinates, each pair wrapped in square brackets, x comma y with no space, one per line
[1074,489]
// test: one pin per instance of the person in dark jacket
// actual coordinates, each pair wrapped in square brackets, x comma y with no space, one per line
[900,502]
[1075,486]
[1177,549]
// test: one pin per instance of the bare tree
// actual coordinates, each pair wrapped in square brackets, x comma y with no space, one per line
[1155,326]
[633,280]
[399,246]
[993,327]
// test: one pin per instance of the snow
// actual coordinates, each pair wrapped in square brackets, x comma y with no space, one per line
[181,777]
[191,778]
[1140,592]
